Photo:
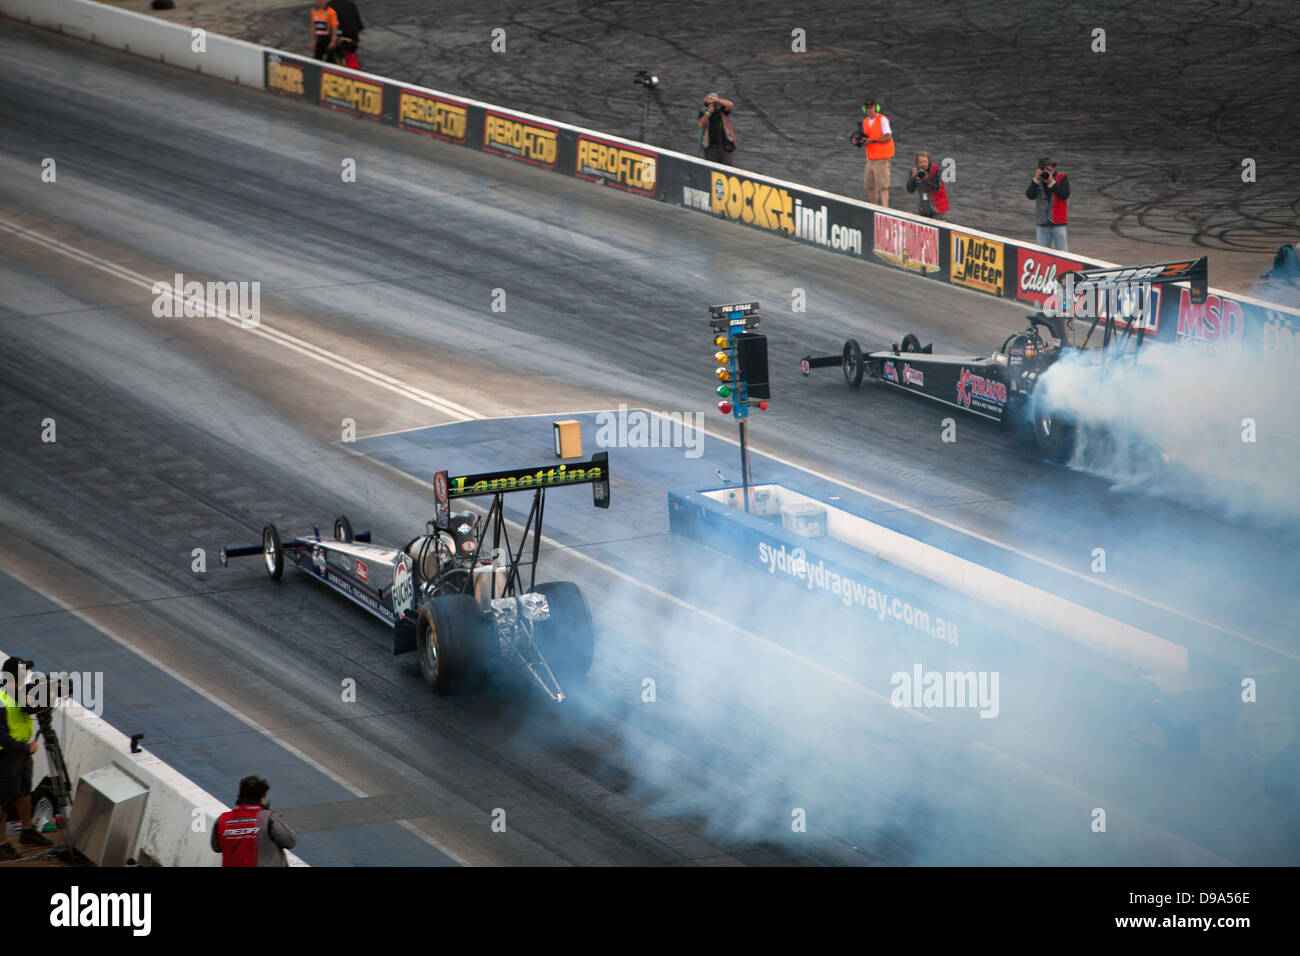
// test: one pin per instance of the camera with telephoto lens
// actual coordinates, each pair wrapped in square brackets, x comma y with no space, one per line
[857,139]
[35,695]
[645,78]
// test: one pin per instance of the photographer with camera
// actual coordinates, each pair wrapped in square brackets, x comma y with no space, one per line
[252,834]
[17,745]
[1050,190]
[717,138]
[927,178]
[877,138]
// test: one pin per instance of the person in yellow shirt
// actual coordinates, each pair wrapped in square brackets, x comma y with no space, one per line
[325,30]
[17,745]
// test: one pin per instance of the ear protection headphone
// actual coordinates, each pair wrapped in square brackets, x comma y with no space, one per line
[866,107]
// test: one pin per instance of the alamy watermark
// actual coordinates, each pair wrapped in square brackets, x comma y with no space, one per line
[641,429]
[210,300]
[959,689]
[36,691]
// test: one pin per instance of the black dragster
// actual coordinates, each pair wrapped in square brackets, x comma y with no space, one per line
[1001,386]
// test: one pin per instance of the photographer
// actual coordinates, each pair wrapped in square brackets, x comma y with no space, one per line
[717,138]
[1050,190]
[251,834]
[927,178]
[17,745]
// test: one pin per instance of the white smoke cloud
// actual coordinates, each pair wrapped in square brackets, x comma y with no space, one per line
[1179,422]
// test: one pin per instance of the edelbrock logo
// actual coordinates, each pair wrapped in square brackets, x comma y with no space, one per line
[213,300]
[76,909]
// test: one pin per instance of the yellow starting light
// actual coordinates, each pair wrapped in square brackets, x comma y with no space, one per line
[723,374]
[721,342]
[722,358]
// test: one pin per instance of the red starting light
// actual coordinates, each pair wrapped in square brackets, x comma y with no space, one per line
[762,406]
[724,407]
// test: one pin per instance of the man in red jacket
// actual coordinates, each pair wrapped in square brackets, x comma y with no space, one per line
[1051,191]
[928,178]
[250,834]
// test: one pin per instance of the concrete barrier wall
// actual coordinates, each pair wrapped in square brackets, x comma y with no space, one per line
[168,831]
[229,59]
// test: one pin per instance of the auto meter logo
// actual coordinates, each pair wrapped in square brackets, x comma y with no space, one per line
[284,76]
[909,245]
[351,95]
[363,572]
[912,376]
[1039,276]
[891,373]
[976,263]
[980,390]
[530,142]
[755,203]
[432,115]
[617,165]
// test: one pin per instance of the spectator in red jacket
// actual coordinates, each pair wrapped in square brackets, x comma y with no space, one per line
[927,179]
[1051,190]
[251,834]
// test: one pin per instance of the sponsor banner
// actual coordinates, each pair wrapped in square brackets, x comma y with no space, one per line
[909,245]
[976,263]
[285,76]
[616,164]
[341,91]
[751,201]
[1039,274]
[976,391]
[433,115]
[531,142]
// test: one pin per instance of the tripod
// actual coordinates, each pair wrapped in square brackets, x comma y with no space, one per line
[652,97]
[58,788]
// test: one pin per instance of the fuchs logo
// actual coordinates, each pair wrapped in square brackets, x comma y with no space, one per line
[912,376]
[403,589]
[970,385]
[891,373]
[363,572]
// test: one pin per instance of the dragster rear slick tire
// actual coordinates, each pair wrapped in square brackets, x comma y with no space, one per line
[342,529]
[851,362]
[449,641]
[1053,434]
[567,638]
[911,343]
[272,552]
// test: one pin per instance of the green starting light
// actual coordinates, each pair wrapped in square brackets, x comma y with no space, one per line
[724,391]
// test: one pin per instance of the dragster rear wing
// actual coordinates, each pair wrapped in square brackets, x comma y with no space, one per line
[1195,272]
[594,472]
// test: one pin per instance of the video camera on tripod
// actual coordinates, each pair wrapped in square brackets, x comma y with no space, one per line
[35,694]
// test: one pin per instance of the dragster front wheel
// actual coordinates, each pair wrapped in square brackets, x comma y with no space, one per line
[447,633]
[272,553]
[851,362]
[567,638]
